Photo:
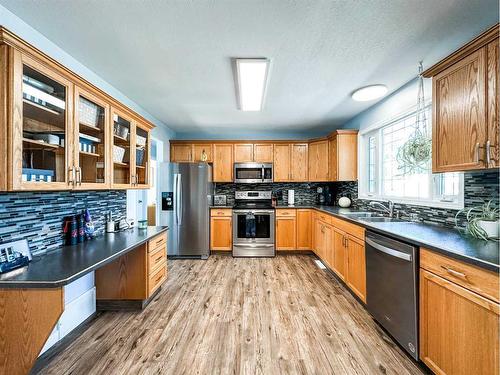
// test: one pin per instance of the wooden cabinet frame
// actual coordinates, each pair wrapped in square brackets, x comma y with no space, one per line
[108,134]
[14,52]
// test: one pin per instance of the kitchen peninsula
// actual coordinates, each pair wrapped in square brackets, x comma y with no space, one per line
[130,267]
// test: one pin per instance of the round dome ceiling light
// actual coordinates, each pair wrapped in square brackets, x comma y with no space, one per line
[371,92]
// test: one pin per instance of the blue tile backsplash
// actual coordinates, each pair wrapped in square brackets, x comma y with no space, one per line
[38,216]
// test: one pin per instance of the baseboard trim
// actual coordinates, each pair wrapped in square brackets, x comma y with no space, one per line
[124,305]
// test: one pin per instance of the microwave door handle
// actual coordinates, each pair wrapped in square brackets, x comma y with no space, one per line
[388,251]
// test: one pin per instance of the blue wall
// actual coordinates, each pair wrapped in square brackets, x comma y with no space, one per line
[398,102]
[13,23]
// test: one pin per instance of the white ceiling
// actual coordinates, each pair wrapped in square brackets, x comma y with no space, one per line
[174,57]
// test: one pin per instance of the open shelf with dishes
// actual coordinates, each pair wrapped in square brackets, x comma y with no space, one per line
[122,135]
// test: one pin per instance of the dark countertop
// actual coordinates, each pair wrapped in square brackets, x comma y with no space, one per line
[447,241]
[62,266]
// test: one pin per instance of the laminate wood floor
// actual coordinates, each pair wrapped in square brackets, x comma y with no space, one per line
[281,315]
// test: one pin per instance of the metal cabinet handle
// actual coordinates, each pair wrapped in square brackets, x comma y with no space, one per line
[488,153]
[72,176]
[454,273]
[478,147]
[79,176]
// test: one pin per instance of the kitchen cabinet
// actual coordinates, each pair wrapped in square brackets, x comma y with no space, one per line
[299,162]
[59,128]
[318,161]
[340,253]
[263,152]
[123,158]
[223,162]
[290,162]
[304,229]
[221,229]
[458,328]
[356,266]
[281,164]
[202,151]
[92,159]
[286,231]
[343,148]
[465,107]
[181,152]
[40,127]
[243,152]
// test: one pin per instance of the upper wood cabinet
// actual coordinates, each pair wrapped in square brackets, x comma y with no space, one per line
[263,152]
[290,162]
[281,164]
[181,152]
[299,162]
[465,107]
[59,128]
[202,152]
[319,161]
[243,152]
[223,162]
[92,157]
[343,148]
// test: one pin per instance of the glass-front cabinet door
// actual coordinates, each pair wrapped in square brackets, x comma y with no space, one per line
[123,159]
[92,132]
[142,157]
[42,136]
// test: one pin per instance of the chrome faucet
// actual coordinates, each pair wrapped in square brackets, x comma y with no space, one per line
[381,207]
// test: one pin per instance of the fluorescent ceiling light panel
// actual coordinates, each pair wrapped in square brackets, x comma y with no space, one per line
[367,93]
[252,79]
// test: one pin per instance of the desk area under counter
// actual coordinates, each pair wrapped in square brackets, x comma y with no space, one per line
[130,267]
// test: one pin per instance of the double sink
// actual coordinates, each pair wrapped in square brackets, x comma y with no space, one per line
[371,217]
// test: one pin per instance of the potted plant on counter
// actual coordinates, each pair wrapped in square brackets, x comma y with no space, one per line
[483,221]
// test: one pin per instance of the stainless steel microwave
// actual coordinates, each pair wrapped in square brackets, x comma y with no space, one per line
[252,173]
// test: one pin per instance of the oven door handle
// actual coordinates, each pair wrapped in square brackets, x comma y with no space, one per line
[254,212]
[253,246]
[388,250]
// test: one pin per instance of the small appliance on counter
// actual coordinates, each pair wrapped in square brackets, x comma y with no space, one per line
[220,200]
[14,255]
[320,196]
[291,197]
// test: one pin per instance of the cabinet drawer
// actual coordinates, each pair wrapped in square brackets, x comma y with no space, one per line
[352,229]
[324,217]
[481,281]
[221,212]
[156,242]
[156,259]
[156,279]
[285,212]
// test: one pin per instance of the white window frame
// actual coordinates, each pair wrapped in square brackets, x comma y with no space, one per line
[363,139]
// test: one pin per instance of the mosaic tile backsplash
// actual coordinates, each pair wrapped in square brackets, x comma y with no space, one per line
[478,188]
[305,193]
[38,217]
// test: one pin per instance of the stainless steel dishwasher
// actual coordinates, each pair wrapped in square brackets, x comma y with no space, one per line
[391,282]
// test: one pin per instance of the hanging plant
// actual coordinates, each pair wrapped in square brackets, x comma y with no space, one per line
[415,154]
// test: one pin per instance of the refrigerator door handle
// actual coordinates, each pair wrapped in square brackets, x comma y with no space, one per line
[179,197]
[176,199]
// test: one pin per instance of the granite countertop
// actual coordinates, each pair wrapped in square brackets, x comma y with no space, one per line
[62,266]
[447,241]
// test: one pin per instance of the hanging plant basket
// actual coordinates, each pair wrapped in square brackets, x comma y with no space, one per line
[415,154]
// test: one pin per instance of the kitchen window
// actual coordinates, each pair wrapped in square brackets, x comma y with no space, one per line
[382,177]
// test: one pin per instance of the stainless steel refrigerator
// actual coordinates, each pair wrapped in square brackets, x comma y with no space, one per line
[185,195]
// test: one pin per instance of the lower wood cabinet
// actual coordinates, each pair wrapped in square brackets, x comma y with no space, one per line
[458,327]
[341,246]
[286,229]
[304,229]
[221,229]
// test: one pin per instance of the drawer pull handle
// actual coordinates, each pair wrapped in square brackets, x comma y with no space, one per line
[158,259]
[158,279]
[454,273]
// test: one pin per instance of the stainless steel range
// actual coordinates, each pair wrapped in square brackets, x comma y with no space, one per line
[253,224]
